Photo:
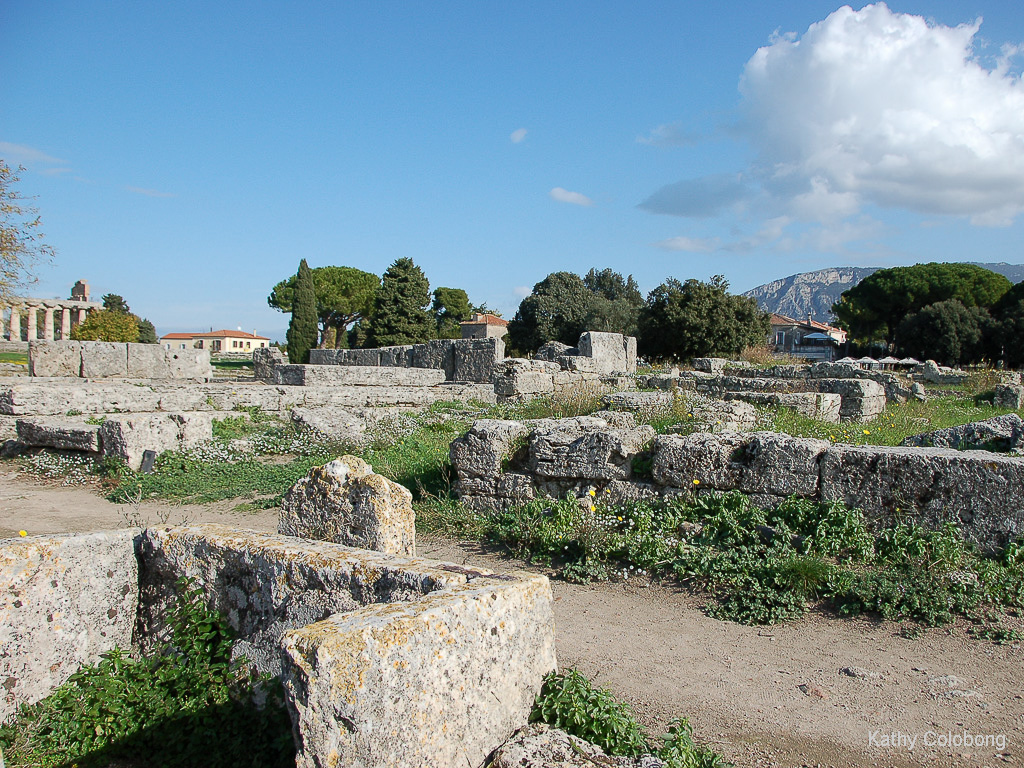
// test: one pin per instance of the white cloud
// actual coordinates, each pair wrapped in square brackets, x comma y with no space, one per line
[669,135]
[873,106]
[19,153]
[698,198]
[689,244]
[149,192]
[518,135]
[522,291]
[565,196]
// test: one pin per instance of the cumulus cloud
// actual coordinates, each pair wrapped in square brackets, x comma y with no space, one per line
[689,244]
[698,198]
[565,196]
[518,135]
[873,106]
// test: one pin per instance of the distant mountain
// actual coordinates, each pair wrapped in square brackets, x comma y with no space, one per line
[814,293]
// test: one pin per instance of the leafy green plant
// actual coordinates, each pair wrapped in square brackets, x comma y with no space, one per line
[187,704]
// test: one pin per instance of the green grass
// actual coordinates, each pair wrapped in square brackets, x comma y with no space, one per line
[231,364]
[18,358]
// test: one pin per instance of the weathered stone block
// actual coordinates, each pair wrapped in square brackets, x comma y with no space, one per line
[66,600]
[191,364]
[102,359]
[552,350]
[479,456]
[1009,396]
[265,359]
[583,453]
[437,353]
[128,437]
[55,358]
[62,435]
[356,376]
[147,361]
[442,681]
[344,502]
[516,378]
[823,406]
[396,357]
[1000,433]
[981,492]
[607,350]
[713,365]
[474,359]
[337,423]
[862,399]
[539,745]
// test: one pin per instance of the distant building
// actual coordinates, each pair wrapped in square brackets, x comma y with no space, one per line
[808,338]
[218,342]
[483,326]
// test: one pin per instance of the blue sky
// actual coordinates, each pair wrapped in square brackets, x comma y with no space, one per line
[187,155]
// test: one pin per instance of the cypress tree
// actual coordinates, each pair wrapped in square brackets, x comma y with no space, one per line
[400,309]
[302,328]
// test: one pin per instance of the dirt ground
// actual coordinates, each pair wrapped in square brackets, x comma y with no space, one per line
[763,696]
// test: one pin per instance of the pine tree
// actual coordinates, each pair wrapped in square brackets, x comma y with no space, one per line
[400,310]
[302,329]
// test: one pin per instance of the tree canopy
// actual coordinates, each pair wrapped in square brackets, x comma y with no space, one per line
[874,308]
[451,306]
[697,319]
[302,329]
[21,236]
[344,295]
[400,308]
[947,332]
[107,325]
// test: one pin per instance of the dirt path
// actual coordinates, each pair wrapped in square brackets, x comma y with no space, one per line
[740,686]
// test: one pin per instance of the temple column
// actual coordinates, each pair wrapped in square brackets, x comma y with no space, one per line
[2,337]
[65,323]
[48,323]
[81,316]
[15,334]
[33,318]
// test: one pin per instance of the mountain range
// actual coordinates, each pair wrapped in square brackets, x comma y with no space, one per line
[813,293]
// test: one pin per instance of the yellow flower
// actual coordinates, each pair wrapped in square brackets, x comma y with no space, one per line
[592,492]
[696,482]
[867,431]
[23,533]
[593,508]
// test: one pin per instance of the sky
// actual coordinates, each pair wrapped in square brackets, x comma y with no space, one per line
[187,155]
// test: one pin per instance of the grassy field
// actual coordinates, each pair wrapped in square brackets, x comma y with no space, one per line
[18,358]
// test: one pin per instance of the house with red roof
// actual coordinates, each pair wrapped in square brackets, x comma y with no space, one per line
[484,326]
[808,338]
[222,342]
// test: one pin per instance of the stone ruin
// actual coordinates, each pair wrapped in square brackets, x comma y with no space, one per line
[501,463]
[386,659]
[106,359]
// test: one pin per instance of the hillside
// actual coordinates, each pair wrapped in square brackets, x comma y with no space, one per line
[814,293]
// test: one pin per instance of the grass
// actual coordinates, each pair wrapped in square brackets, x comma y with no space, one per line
[18,358]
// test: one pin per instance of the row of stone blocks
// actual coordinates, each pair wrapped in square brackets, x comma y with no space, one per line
[469,360]
[386,661]
[104,359]
[28,397]
[502,463]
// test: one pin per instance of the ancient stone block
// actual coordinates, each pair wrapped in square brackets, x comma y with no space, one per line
[980,492]
[539,745]
[396,357]
[264,583]
[1009,396]
[102,359]
[583,453]
[64,435]
[709,364]
[437,354]
[355,376]
[325,356]
[643,402]
[265,359]
[474,359]
[552,350]
[823,406]
[862,399]
[191,364]
[66,600]
[337,423]
[516,378]
[1000,433]
[55,358]
[344,502]
[479,456]
[147,361]
[129,436]
[442,681]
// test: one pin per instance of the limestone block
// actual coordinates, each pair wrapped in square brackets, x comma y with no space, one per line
[710,415]
[581,452]
[63,435]
[355,376]
[641,402]
[65,600]
[1009,396]
[862,399]
[709,364]
[128,437]
[523,378]
[630,355]
[265,359]
[361,357]
[147,361]
[823,406]
[709,459]
[981,492]
[396,357]
[337,423]
[552,350]
[55,358]
[1000,433]
[608,350]
[479,456]
[780,465]
[103,359]
[438,354]
[539,745]
[344,502]
[324,356]
[442,681]
[189,364]
[264,583]
[583,364]
[474,359]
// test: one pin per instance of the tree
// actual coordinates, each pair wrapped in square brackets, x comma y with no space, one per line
[697,319]
[555,310]
[874,308]
[947,332]
[21,237]
[114,303]
[343,296]
[613,286]
[147,333]
[1008,327]
[302,329]
[615,305]
[107,325]
[451,306]
[400,309]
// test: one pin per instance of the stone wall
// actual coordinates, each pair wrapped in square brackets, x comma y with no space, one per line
[386,661]
[65,601]
[470,360]
[103,359]
[502,463]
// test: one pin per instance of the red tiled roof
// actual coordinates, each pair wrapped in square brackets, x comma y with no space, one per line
[487,319]
[217,334]
[178,336]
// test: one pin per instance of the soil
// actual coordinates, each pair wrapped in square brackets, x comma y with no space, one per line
[762,696]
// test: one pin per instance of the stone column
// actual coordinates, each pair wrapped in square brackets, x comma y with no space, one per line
[65,323]
[81,316]
[48,323]
[15,334]
[2,337]
[33,317]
